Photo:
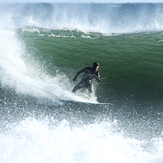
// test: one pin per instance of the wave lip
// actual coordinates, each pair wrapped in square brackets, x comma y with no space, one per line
[90,17]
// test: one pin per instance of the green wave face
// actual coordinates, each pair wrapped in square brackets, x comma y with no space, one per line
[130,64]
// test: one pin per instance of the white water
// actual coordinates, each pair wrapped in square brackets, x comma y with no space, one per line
[33,141]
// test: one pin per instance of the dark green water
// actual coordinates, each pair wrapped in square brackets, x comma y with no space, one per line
[131,64]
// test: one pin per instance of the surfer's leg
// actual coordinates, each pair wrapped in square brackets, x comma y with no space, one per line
[89,88]
[78,86]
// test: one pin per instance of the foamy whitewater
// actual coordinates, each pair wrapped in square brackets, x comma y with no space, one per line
[43,45]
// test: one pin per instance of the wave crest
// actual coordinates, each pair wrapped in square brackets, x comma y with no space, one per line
[90,17]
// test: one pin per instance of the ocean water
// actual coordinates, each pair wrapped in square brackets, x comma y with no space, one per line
[43,45]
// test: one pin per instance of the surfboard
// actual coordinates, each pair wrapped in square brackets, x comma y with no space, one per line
[87,102]
[72,101]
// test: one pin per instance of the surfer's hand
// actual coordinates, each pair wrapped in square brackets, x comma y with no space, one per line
[74,79]
[98,81]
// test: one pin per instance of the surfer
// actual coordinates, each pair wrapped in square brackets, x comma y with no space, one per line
[89,74]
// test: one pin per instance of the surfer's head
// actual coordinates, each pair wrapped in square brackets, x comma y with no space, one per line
[96,66]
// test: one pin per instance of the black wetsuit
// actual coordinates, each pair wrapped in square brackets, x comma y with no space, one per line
[89,74]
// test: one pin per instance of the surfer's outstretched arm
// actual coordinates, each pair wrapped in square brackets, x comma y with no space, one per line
[78,73]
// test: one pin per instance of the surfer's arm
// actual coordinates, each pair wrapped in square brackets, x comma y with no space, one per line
[78,73]
[97,76]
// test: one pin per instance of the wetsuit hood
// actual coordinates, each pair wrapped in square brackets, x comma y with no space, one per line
[95,64]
